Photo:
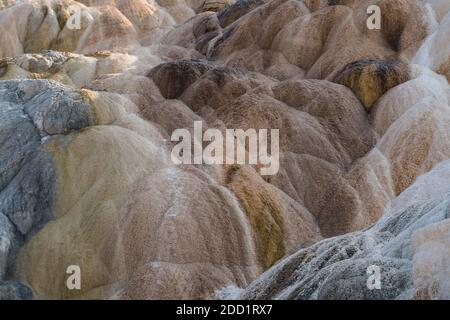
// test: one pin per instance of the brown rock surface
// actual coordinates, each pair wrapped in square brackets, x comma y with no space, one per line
[140,226]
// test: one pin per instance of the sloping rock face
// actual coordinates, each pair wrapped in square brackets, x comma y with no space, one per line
[91,92]
[408,245]
[371,79]
[31,113]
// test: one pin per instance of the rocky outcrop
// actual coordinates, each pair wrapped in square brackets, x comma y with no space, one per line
[174,77]
[27,184]
[337,268]
[14,291]
[86,177]
[370,79]
[214,5]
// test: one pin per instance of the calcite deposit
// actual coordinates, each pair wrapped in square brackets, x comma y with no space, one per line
[92,90]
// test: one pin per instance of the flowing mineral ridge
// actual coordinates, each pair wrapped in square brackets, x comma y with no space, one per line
[91,91]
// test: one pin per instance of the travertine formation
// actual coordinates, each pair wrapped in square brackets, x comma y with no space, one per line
[88,106]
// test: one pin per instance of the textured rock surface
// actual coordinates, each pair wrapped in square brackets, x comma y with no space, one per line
[86,177]
[370,79]
[14,291]
[31,112]
[336,268]
[215,5]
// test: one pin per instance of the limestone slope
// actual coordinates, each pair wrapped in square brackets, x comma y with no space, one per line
[86,176]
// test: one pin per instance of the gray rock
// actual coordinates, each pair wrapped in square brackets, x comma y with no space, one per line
[27,199]
[14,291]
[9,241]
[348,279]
[30,112]
[233,12]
